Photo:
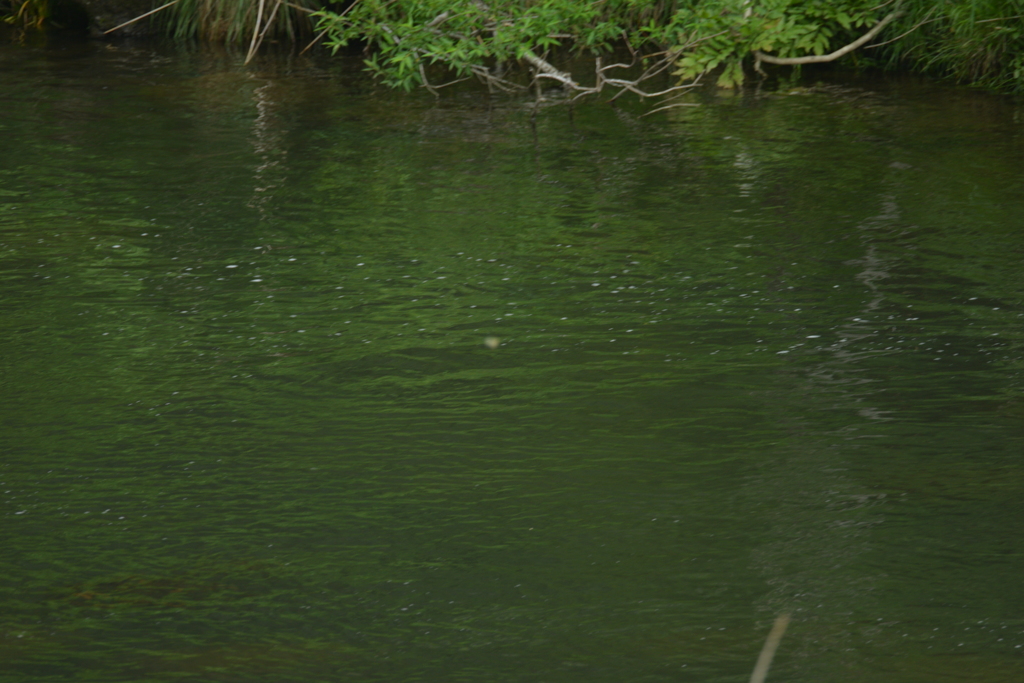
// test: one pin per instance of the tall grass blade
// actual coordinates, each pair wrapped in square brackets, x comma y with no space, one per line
[141,16]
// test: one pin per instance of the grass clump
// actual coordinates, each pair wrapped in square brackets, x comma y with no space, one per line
[236,21]
[979,42]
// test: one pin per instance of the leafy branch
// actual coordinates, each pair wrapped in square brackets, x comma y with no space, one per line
[796,31]
[472,39]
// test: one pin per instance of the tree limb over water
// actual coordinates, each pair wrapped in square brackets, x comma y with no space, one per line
[408,42]
[832,56]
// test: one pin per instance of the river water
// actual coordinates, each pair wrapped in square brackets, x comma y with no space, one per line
[306,380]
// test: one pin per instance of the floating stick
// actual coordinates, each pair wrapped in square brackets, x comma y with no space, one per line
[768,651]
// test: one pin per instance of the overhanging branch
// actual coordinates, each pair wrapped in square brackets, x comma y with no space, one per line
[817,59]
[546,70]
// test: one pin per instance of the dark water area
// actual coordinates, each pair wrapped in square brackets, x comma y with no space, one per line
[758,356]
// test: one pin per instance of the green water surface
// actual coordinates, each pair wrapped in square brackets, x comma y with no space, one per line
[756,356]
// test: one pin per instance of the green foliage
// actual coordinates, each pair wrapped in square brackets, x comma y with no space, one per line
[976,41]
[403,36]
[972,41]
[462,35]
[727,32]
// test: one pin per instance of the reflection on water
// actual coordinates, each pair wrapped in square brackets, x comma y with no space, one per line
[306,380]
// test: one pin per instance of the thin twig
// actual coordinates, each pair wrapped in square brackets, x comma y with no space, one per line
[701,40]
[314,41]
[669,106]
[584,92]
[303,9]
[631,86]
[484,74]
[771,644]
[660,66]
[614,66]
[457,80]
[141,16]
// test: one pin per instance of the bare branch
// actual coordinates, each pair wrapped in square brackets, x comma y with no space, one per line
[701,40]
[434,88]
[546,70]
[629,45]
[817,59]
[492,81]
[658,67]
[313,42]
[614,66]
[457,80]
[631,86]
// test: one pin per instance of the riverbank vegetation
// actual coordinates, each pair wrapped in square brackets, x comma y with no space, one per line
[971,41]
[507,44]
